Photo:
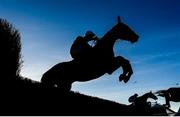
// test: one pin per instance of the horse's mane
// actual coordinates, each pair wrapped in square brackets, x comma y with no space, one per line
[110,32]
[146,96]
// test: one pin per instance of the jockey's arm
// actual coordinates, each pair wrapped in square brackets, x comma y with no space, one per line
[94,38]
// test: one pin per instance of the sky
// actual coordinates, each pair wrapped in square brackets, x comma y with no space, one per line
[49,27]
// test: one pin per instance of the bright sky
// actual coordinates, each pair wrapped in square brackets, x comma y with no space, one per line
[49,27]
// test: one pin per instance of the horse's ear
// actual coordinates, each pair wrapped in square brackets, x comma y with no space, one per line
[119,19]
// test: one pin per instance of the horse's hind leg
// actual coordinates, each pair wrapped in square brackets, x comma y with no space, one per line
[126,66]
[65,86]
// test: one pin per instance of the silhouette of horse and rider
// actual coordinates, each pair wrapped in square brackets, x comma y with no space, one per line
[171,94]
[92,62]
[140,105]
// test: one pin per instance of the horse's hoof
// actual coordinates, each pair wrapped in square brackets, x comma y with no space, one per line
[121,77]
[126,79]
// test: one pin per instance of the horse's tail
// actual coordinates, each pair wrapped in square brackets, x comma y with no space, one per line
[10,49]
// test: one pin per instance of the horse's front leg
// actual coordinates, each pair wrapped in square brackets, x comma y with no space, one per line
[119,61]
[127,70]
[167,98]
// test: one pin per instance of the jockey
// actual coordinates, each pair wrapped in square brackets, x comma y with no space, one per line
[133,98]
[80,47]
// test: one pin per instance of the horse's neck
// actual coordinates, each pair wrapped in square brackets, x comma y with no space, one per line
[108,41]
[104,47]
[145,97]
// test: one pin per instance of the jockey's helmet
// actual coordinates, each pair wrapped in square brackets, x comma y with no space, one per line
[89,34]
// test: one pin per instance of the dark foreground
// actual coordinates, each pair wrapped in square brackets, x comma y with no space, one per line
[54,102]
[24,97]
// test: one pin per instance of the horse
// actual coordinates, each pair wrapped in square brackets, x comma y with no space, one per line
[142,100]
[140,106]
[171,94]
[101,61]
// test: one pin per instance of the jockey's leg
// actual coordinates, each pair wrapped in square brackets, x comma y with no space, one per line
[126,67]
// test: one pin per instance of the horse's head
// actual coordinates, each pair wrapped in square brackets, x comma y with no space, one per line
[124,32]
[151,95]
